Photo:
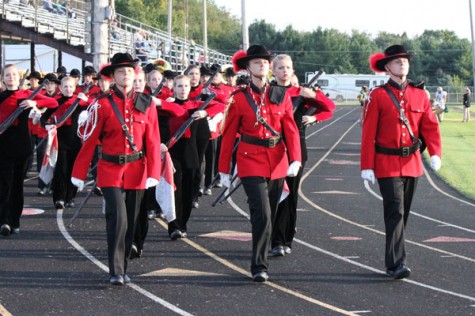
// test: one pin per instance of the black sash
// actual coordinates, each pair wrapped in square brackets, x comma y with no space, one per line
[125,128]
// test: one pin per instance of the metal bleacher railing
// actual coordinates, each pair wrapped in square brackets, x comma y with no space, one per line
[71,22]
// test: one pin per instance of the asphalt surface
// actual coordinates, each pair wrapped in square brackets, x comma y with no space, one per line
[336,266]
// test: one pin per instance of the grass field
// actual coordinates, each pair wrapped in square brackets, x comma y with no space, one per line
[458,151]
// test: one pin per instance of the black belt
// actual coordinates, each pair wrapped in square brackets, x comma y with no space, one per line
[123,159]
[265,142]
[403,151]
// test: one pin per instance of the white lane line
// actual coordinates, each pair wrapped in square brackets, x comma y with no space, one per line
[329,124]
[103,267]
[370,190]
[355,263]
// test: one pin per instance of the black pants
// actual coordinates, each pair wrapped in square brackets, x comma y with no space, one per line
[40,153]
[210,162]
[397,194]
[141,226]
[12,175]
[122,207]
[63,188]
[183,178]
[284,229]
[263,197]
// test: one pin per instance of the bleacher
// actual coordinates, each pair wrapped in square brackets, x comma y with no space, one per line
[123,33]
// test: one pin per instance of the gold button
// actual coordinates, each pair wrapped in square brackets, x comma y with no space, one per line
[126,120]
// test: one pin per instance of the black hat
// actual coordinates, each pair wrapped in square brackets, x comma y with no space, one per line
[205,71]
[51,78]
[75,73]
[168,74]
[120,60]
[377,61]
[148,68]
[61,69]
[229,72]
[241,58]
[88,70]
[242,79]
[216,68]
[34,74]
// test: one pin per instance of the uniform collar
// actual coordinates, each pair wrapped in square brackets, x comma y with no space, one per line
[396,85]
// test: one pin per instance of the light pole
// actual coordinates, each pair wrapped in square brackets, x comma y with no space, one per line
[205,32]
[245,30]
[473,47]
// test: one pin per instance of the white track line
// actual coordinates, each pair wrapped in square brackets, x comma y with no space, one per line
[103,267]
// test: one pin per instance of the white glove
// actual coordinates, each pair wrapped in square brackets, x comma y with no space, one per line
[50,127]
[150,182]
[294,169]
[78,183]
[435,162]
[82,117]
[36,118]
[213,123]
[368,175]
[225,180]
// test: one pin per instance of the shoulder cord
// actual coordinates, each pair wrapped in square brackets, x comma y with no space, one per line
[90,122]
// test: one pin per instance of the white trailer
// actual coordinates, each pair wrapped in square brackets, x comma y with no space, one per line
[346,87]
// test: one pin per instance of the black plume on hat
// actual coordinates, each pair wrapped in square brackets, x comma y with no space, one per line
[205,71]
[34,74]
[120,60]
[61,69]
[75,73]
[51,77]
[229,72]
[215,68]
[148,68]
[168,74]
[89,70]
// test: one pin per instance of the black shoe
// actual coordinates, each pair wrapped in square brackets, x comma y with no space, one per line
[117,280]
[184,234]
[151,214]
[97,191]
[175,234]
[16,230]
[135,252]
[126,279]
[400,272]
[287,250]
[69,204]
[59,204]
[208,192]
[5,230]
[161,215]
[278,251]
[43,191]
[195,205]
[260,276]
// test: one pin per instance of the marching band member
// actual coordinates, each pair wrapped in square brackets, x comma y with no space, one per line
[286,218]
[185,153]
[69,143]
[88,76]
[396,115]
[15,146]
[262,114]
[125,168]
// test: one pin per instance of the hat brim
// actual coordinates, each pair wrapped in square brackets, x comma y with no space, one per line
[243,61]
[109,69]
[380,64]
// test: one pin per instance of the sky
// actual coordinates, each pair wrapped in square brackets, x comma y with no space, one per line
[370,16]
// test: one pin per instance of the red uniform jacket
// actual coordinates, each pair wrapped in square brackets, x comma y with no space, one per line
[92,90]
[255,160]
[141,120]
[16,141]
[382,126]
